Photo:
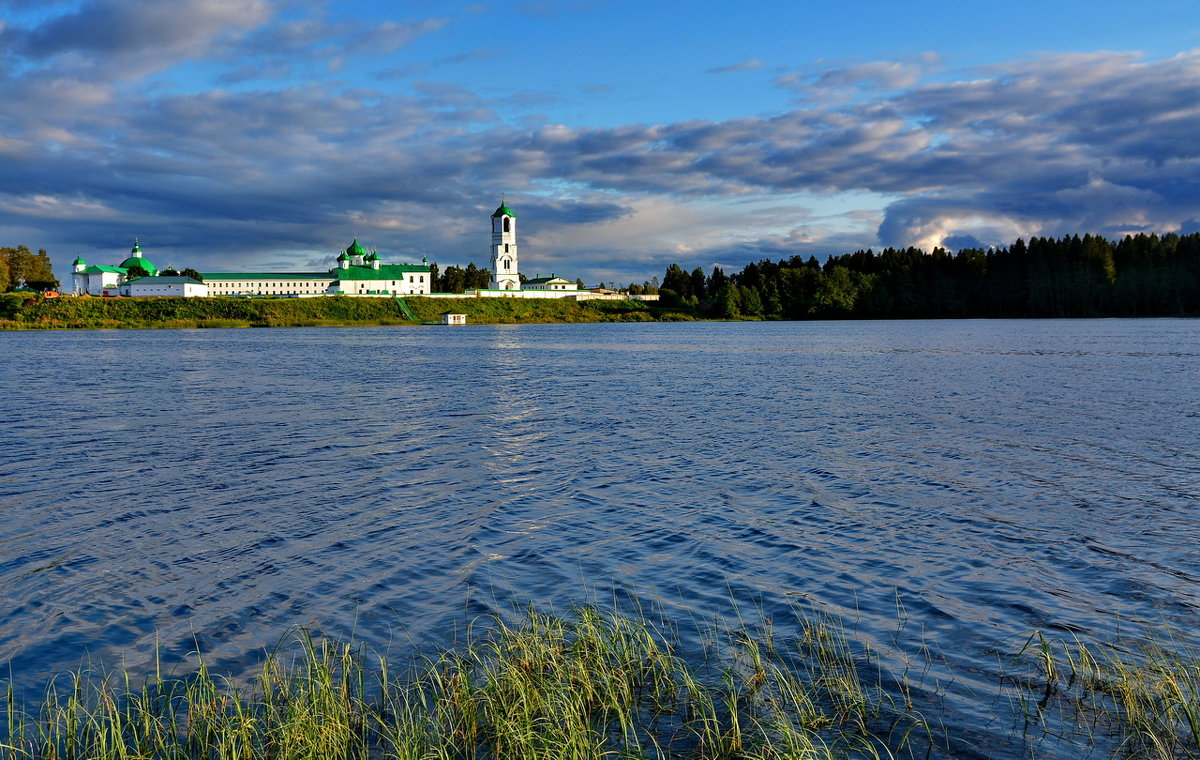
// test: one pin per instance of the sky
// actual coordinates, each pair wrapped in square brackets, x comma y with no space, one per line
[264,135]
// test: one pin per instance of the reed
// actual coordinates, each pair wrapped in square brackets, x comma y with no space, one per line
[1145,694]
[587,685]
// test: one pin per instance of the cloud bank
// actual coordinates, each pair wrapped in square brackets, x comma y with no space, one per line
[273,159]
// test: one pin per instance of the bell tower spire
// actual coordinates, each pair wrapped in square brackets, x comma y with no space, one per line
[504,249]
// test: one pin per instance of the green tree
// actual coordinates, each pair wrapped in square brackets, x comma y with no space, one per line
[698,284]
[454,280]
[136,271]
[168,272]
[677,280]
[189,272]
[28,269]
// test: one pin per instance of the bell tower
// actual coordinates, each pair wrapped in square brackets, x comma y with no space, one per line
[504,250]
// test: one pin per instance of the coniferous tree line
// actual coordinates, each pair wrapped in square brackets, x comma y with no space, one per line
[1088,276]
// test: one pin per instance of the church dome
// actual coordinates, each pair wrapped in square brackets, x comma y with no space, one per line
[139,261]
[504,210]
[356,249]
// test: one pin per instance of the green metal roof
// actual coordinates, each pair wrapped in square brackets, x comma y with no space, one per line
[355,249]
[140,261]
[99,268]
[384,272]
[504,210]
[544,280]
[267,276]
[168,280]
[78,260]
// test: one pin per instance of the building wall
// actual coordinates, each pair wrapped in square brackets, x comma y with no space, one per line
[281,286]
[180,289]
[415,283]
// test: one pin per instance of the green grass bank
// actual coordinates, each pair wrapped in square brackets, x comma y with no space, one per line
[25,312]
[593,684]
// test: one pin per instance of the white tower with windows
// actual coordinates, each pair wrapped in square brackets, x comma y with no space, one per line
[504,250]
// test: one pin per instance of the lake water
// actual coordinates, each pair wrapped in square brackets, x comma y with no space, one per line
[949,485]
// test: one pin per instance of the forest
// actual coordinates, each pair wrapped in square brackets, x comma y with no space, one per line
[1088,276]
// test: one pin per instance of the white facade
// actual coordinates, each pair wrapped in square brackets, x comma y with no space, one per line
[504,250]
[178,287]
[269,284]
[551,283]
[96,283]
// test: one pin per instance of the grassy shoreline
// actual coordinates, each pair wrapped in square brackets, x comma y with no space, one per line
[594,684]
[24,312]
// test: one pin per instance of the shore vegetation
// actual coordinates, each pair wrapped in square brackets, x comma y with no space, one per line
[593,684]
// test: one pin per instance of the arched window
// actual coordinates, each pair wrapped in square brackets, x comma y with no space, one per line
[506,228]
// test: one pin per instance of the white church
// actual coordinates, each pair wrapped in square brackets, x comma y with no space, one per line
[506,279]
[358,273]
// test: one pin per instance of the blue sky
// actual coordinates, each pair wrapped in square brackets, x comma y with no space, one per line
[264,134]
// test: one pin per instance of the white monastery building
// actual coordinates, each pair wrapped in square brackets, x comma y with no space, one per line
[358,273]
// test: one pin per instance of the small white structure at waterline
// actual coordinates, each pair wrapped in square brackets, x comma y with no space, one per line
[453,318]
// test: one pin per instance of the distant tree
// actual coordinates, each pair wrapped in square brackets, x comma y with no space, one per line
[435,281]
[475,278]
[189,272]
[668,297]
[453,280]
[29,269]
[168,272]
[5,276]
[677,280]
[136,271]
[579,283]
[698,284]
[716,281]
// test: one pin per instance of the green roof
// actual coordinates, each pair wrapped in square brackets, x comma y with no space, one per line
[78,260]
[99,268]
[504,210]
[267,276]
[168,280]
[384,272]
[544,280]
[139,261]
[355,249]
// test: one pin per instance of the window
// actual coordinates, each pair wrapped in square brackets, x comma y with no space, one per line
[506,227]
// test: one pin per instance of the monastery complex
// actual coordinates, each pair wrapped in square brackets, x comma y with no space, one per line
[358,273]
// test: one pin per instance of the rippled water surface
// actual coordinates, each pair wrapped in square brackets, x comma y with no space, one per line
[976,480]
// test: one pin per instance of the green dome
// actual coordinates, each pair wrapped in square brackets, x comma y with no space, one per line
[504,210]
[373,257]
[356,249]
[78,262]
[140,262]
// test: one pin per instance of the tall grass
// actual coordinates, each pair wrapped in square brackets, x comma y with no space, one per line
[1144,694]
[590,684]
